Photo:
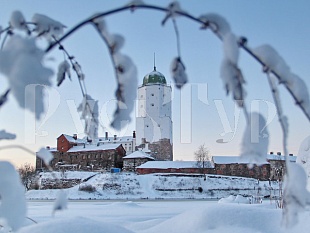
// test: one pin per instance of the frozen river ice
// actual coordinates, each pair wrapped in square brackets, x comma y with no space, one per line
[133,215]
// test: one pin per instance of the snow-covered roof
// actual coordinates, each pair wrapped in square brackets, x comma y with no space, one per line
[123,139]
[51,149]
[281,157]
[173,164]
[72,140]
[230,160]
[138,155]
[93,147]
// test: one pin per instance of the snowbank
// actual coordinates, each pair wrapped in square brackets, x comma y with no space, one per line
[157,186]
[76,225]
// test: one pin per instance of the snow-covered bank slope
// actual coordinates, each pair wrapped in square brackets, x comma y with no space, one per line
[158,186]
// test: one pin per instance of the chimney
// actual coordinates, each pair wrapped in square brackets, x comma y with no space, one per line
[106,136]
[134,134]
[114,137]
[75,136]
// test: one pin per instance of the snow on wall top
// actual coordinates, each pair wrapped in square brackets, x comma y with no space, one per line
[138,155]
[173,164]
[93,147]
[236,159]
[230,160]
[72,140]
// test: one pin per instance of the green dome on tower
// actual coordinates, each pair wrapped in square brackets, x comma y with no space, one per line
[154,77]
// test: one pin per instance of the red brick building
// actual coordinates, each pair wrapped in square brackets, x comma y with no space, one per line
[74,153]
[174,167]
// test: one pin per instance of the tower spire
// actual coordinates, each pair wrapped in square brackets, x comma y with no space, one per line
[154,62]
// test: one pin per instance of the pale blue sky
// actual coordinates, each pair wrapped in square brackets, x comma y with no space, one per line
[282,24]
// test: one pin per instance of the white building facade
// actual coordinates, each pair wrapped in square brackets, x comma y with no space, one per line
[154,118]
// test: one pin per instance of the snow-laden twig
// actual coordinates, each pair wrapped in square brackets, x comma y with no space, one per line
[282,118]
[275,64]
[135,3]
[178,73]
[216,23]
[90,114]
[63,71]
[75,66]
[13,202]
[295,195]
[173,8]
[255,140]
[125,74]
[21,62]
[17,21]
[47,27]
[126,90]
[303,156]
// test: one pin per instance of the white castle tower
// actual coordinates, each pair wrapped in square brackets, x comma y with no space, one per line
[154,120]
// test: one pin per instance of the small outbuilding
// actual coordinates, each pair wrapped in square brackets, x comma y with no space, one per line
[135,159]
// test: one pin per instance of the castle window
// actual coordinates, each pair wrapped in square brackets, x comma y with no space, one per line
[152,94]
[84,156]
[152,104]
[89,156]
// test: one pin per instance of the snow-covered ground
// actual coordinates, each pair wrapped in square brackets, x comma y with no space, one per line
[147,216]
[156,186]
[128,203]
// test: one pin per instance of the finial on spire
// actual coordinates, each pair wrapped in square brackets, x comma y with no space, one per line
[154,62]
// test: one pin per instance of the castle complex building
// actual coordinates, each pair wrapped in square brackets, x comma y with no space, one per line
[154,119]
[153,135]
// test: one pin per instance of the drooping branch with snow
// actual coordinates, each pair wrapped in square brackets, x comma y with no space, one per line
[125,73]
[89,113]
[255,140]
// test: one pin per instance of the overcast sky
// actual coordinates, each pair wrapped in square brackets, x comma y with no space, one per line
[204,114]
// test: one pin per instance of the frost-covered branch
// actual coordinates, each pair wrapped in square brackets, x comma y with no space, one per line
[282,118]
[177,67]
[295,196]
[125,74]
[279,73]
